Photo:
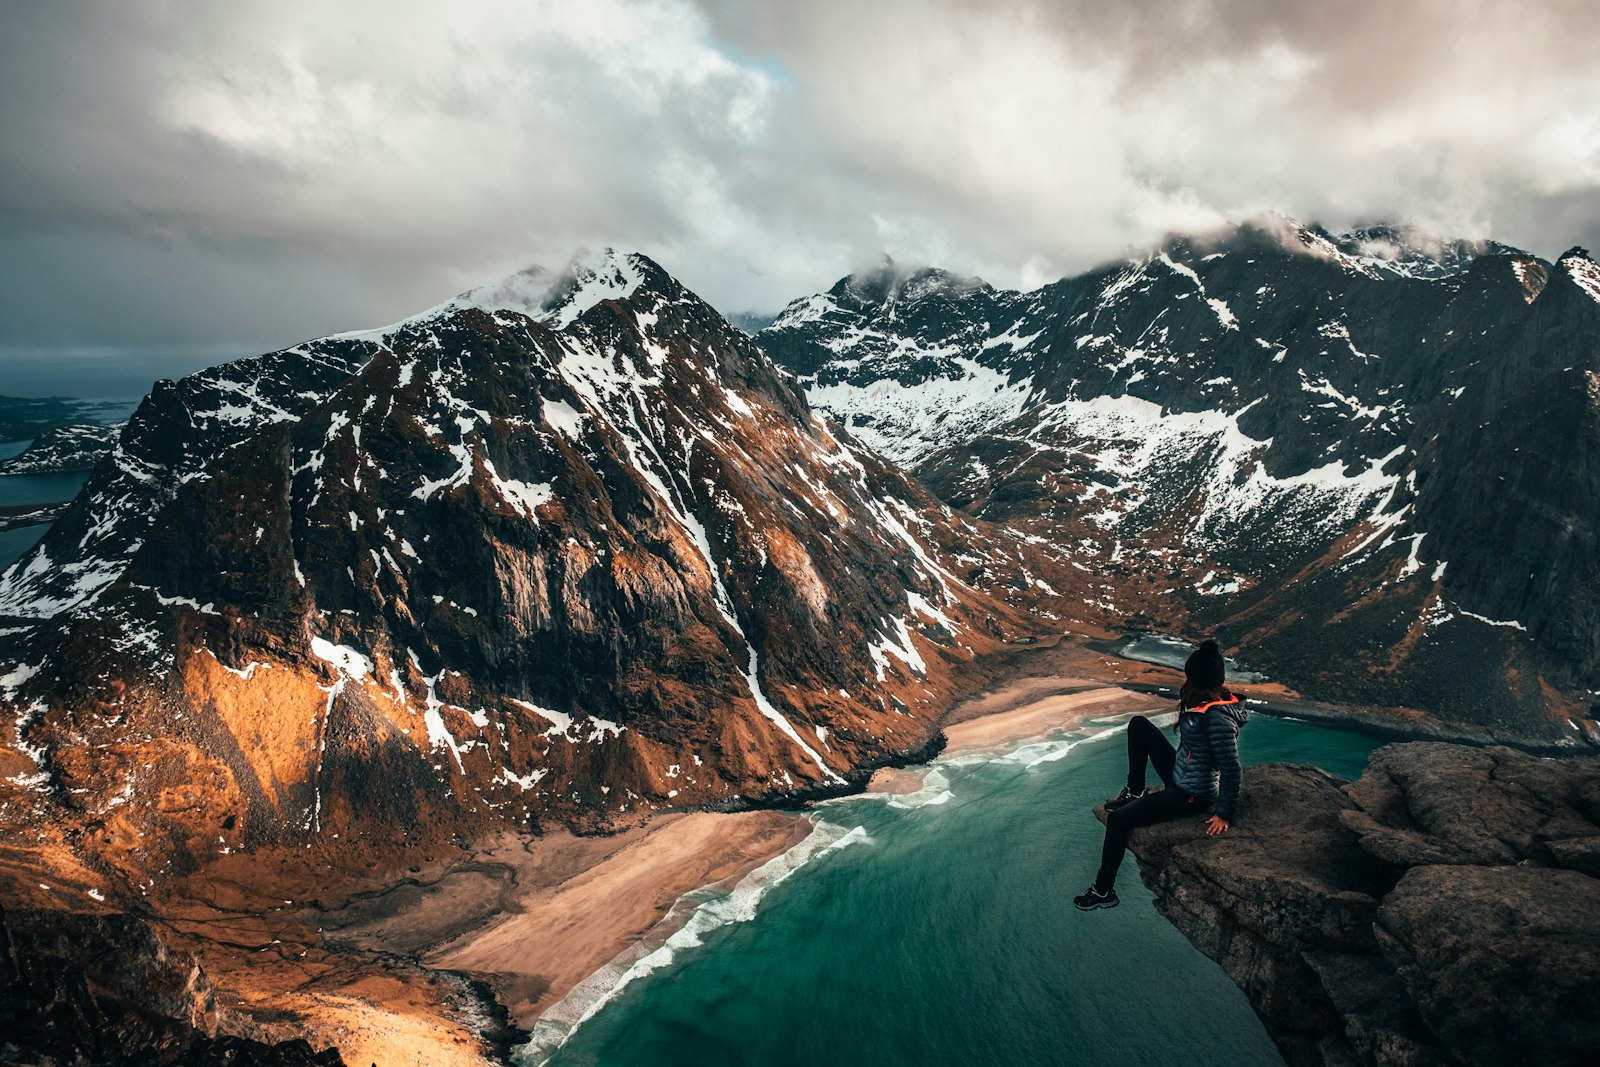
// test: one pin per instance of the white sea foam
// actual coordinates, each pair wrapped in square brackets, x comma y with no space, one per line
[695,914]
[1032,754]
[690,918]
[935,790]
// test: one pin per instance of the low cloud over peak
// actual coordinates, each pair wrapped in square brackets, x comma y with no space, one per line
[188,176]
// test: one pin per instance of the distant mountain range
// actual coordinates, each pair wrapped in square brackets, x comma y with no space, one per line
[1366,460]
[23,418]
[72,447]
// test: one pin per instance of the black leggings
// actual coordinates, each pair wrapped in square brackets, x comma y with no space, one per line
[1145,743]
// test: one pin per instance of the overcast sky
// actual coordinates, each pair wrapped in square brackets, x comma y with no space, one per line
[184,182]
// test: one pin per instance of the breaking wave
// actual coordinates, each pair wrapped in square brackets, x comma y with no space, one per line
[690,918]
[695,914]
[935,790]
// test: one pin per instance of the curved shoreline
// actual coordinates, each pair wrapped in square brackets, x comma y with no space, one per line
[589,912]
[1023,711]
[531,920]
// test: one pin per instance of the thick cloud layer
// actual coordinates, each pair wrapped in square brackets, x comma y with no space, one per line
[189,181]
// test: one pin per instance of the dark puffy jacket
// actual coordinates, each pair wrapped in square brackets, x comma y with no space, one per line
[1208,751]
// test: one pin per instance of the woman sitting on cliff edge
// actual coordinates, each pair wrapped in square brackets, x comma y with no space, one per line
[1204,768]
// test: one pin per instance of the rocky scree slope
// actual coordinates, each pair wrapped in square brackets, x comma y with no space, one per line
[564,550]
[1442,909]
[1365,458]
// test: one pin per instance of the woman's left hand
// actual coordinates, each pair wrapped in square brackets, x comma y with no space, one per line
[1216,825]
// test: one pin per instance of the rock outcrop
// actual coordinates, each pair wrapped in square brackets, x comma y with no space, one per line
[82,987]
[1443,909]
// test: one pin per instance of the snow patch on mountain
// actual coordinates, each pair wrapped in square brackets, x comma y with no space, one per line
[1583,271]
[805,310]
[906,422]
[555,298]
[1134,441]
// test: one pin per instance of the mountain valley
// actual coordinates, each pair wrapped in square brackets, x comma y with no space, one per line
[540,574]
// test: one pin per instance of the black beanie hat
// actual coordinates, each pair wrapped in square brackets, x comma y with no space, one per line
[1204,667]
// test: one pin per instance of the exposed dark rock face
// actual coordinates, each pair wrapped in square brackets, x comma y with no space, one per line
[1443,909]
[1365,458]
[562,551]
[79,988]
[176,430]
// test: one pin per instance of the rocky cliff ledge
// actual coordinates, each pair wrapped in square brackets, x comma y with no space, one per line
[85,988]
[1443,909]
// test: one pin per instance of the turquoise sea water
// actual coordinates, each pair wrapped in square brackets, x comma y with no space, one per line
[27,489]
[23,489]
[13,543]
[938,928]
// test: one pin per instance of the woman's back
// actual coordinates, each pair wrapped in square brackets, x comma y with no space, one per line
[1207,763]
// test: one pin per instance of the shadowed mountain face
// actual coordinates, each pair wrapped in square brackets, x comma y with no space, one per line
[568,549]
[1364,458]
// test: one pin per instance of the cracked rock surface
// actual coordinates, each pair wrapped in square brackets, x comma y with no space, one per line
[1442,909]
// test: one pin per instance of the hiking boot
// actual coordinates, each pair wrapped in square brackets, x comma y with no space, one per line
[1124,798]
[1092,898]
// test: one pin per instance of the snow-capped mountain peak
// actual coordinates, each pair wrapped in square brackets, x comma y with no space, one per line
[1409,252]
[558,298]
[537,553]
[553,297]
[1291,416]
[1582,269]
[890,283]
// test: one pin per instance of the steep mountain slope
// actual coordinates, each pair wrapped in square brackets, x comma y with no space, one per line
[1273,431]
[569,548]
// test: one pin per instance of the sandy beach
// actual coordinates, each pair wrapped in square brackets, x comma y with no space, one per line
[1021,709]
[546,913]
[534,917]
[1033,706]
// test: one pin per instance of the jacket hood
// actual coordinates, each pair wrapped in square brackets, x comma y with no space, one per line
[1234,709]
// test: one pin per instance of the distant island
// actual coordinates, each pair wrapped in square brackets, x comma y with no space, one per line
[23,418]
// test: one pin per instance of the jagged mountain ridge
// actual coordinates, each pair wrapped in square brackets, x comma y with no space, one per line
[484,567]
[1252,432]
[1409,252]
